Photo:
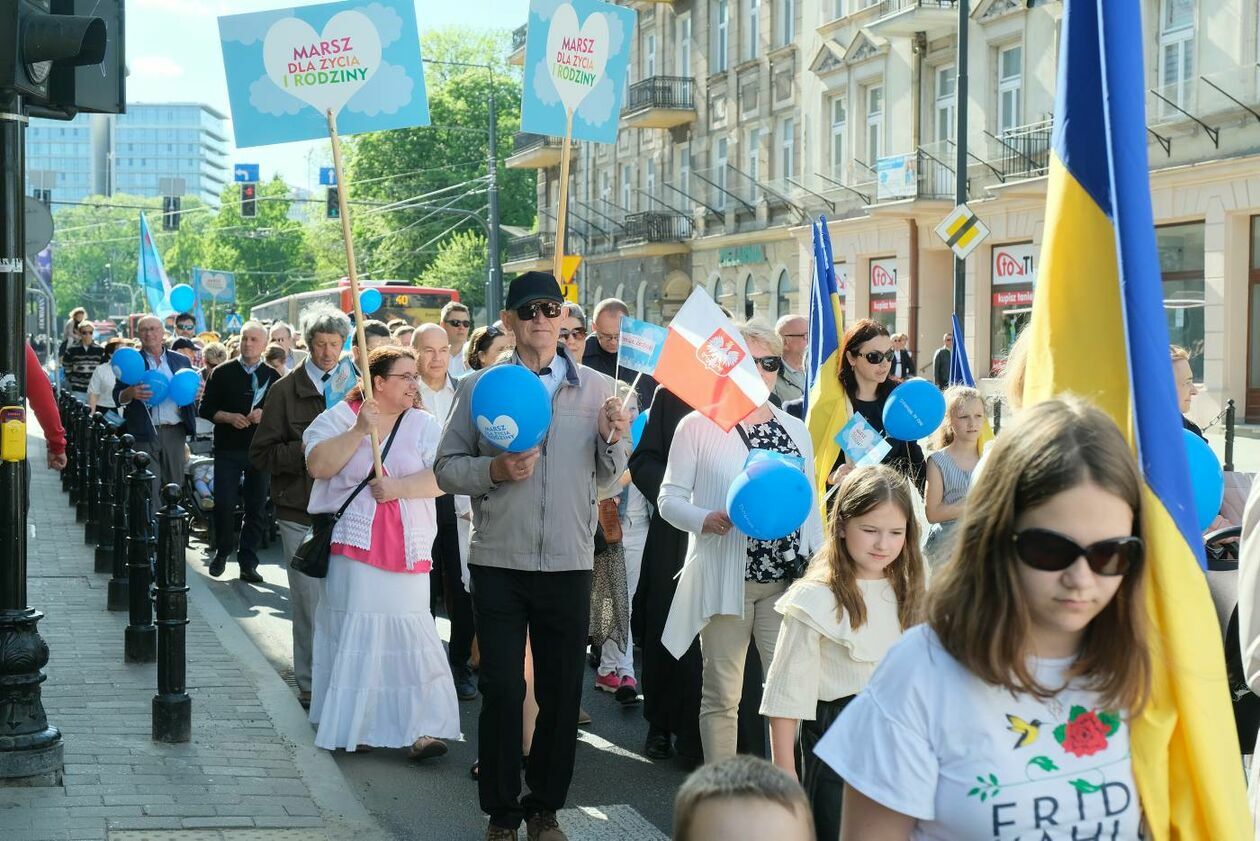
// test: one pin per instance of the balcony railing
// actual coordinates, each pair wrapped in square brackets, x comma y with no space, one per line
[518,37]
[655,226]
[531,247]
[1026,150]
[523,141]
[673,92]
[892,7]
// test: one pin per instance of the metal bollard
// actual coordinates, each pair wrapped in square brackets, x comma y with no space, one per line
[140,638]
[96,437]
[117,595]
[72,450]
[83,477]
[172,708]
[1231,418]
[63,406]
[105,471]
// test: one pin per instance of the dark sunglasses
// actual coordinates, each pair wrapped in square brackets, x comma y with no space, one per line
[188,327]
[549,309]
[875,357]
[576,332]
[1050,551]
[457,322]
[770,364]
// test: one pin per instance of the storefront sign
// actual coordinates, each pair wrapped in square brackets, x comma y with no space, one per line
[842,279]
[883,305]
[883,276]
[741,255]
[897,177]
[1014,264]
[1014,298]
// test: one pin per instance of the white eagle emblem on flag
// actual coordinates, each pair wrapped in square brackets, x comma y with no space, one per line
[720,353]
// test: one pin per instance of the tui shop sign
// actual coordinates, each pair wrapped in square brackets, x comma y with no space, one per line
[741,255]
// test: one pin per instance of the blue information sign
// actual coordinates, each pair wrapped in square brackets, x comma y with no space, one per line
[327,176]
[245,173]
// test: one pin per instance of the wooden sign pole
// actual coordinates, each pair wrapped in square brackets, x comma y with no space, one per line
[360,338]
[563,212]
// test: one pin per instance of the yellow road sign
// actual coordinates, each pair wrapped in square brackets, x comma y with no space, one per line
[570,292]
[569,268]
[962,231]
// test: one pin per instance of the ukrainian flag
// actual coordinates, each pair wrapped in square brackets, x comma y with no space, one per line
[1099,330]
[960,374]
[827,406]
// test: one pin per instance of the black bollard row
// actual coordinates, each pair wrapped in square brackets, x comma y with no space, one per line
[105,472]
[83,476]
[172,708]
[63,407]
[96,444]
[118,594]
[139,640]
[72,450]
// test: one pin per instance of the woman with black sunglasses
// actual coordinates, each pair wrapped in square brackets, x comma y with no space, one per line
[1009,711]
[865,363]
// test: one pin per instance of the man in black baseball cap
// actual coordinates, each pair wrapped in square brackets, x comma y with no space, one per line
[531,561]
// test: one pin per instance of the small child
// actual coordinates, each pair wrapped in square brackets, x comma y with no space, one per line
[949,469]
[742,798]
[203,484]
[859,594]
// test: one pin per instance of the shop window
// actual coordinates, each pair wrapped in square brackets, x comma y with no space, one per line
[1014,277]
[783,294]
[884,292]
[1181,265]
[750,295]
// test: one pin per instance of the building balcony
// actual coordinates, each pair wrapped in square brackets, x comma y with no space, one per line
[529,253]
[1024,151]
[534,151]
[517,55]
[656,226]
[922,174]
[936,18]
[660,102]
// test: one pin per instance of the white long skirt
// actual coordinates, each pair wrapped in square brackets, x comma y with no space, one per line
[379,673]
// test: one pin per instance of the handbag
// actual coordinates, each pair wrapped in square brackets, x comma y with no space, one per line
[797,564]
[311,557]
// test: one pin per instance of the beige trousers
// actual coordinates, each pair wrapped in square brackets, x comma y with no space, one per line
[724,649]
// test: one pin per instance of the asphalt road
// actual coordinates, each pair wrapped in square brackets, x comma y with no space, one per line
[616,792]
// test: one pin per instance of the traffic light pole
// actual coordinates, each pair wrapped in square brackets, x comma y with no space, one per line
[960,148]
[30,748]
[494,290]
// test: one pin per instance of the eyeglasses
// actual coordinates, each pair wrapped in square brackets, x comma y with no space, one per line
[792,335]
[458,322]
[611,338]
[576,333]
[415,378]
[187,328]
[1050,551]
[549,309]
[770,364]
[875,357]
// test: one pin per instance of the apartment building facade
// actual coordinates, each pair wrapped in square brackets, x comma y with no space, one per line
[782,110]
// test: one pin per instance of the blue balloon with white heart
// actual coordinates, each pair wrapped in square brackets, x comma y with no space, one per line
[511,407]
[370,300]
[914,410]
[128,365]
[637,427]
[182,298]
[158,384]
[770,499]
[1207,479]
[183,387]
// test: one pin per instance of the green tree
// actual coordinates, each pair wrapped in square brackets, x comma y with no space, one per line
[461,264]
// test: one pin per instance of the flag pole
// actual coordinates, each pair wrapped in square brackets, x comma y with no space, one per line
[563,211]
[360,337]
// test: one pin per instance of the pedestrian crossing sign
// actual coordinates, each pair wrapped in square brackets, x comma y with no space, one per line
[962,231]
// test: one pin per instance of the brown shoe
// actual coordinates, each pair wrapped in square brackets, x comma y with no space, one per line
[426,748]
[498,833]
[544,827]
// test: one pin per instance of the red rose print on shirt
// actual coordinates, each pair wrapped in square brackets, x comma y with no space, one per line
[1086,731]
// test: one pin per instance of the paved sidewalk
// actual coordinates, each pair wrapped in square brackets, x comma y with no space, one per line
[250,771]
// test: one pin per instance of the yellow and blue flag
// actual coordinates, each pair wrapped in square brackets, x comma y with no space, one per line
[1098,304]
[826,404]
[960,374]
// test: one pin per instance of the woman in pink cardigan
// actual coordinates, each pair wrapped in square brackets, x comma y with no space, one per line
[380,677]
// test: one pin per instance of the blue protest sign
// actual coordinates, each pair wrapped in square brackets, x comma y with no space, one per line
[862,444]
[327,176]
[641,344]
[214,286]
[287,67]
[577,54]
[245,173]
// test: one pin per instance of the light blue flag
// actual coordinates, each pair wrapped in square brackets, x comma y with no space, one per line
[150,274]
[641,344]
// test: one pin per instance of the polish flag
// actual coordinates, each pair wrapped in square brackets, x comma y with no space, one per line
[706,362]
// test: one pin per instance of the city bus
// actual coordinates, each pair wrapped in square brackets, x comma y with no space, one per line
[399,299]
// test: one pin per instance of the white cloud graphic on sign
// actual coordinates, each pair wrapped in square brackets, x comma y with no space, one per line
[267,98]
[547,8]
[544,88]
[616,33]
[249,29]
[388,22]
[388,90]
[597,107]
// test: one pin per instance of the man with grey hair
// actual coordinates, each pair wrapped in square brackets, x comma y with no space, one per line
[794,331]
[233,402]
[282,334]
[293,402]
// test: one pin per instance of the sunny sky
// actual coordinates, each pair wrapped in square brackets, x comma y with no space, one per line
[173,55]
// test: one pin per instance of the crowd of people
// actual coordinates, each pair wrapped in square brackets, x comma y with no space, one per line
[969,614]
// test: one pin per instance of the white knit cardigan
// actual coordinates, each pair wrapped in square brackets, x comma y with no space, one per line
[703,462]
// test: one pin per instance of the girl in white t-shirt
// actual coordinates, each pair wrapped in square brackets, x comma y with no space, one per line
[1006,715]
[861,591]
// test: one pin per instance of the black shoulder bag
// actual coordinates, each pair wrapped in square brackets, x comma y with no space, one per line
[311,557]
[796,563]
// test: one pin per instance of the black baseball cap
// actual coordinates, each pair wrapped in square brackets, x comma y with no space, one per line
[183,344]
[533,286]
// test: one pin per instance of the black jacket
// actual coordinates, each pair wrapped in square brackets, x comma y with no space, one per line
[230,389]
[940,366]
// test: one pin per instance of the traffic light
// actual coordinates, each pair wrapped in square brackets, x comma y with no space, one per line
[41,40]
[249,201]
[170,213]
[332,208]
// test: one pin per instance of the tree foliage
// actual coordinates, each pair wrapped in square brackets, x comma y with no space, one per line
[461,264]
